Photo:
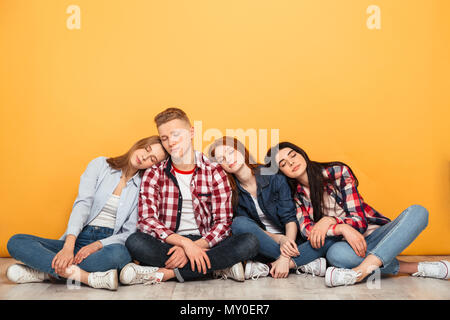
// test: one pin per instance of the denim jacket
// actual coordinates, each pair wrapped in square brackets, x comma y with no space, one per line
[97,184]
[274,198]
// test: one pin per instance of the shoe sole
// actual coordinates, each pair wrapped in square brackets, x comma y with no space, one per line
[122,273]
[115,281]
[248,267]
[447,265]
[323,267]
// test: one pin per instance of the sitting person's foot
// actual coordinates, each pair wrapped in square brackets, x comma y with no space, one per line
[316,268]
[20,273]
[255,269]
[136,274]
[104,280]
[433,269]
[235,272]
[340,277]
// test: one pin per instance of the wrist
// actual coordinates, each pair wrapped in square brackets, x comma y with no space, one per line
[340,228]
[185,242]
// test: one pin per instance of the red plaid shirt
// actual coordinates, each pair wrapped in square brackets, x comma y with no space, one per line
[160,201]
[357,213]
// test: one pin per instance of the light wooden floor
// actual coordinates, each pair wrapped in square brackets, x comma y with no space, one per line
[295,287]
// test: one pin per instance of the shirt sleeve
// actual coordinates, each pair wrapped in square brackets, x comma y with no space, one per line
[148,215]
[221,208]
[304,220]
[355,215]
[86,193]
[285,204]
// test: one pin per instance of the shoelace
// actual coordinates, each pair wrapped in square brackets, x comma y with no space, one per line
[257,275]
[350,278]
[419,274]
[432,272]
[260,270]
[307,269]
[146,278]
[29,275]
[101,281]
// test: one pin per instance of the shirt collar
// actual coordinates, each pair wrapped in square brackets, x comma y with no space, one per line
[262,181]
[198,160]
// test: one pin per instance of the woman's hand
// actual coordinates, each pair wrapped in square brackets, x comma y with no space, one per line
[280,268]
[288,247]
[62,260]
[178,258]
[196,255]
[354,238]
[319,232]
[87,250]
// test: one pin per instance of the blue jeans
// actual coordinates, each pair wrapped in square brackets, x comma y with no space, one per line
[269,250]
[38,253]
[152,252]
[386,242]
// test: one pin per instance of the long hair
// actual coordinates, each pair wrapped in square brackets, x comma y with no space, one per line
[248,160]
[314,171]
[123,162]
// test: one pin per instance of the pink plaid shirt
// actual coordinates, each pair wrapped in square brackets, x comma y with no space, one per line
[160,201]
[358,214]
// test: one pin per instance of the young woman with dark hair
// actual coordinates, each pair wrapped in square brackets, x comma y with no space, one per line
[329,204]
[263,206]
[103,216]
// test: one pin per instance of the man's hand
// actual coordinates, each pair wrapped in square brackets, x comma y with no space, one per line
[196,255]
[178,258]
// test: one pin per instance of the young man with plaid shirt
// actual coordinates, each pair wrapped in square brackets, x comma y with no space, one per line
[185,215]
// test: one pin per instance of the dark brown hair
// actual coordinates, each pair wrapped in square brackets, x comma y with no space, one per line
[248,159]
[315,176]
[123,162]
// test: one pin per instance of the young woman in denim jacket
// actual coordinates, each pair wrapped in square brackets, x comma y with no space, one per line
[329,204]
[103,216]
[263,206]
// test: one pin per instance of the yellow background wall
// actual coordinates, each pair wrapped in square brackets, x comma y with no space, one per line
[376,99]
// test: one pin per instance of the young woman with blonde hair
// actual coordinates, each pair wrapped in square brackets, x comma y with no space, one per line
[103,216]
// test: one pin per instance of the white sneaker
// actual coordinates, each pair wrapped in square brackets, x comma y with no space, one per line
[435,269]
[134,274]
[316,267]
[340,277]
[255,269]
[235,272]
[20,273]
[103,280]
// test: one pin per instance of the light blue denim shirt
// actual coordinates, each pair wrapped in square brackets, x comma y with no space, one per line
[97,184]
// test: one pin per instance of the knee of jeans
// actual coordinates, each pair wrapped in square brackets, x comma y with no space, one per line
[241,225]
[15,242]
[253,244]
[119,255]
[250,245]
[419,214]
[338,257]
[132,242]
